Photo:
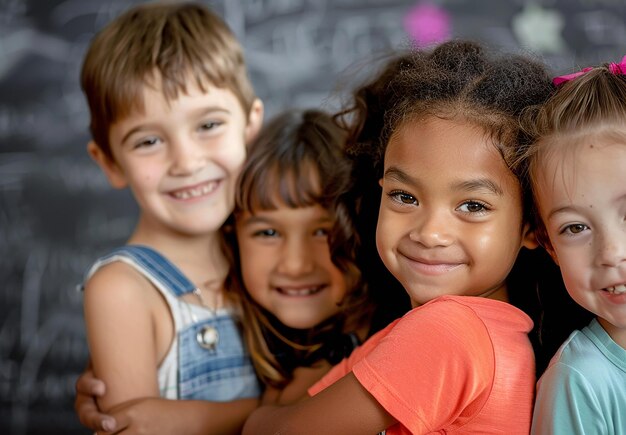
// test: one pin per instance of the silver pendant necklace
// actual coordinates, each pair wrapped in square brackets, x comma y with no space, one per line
[208,336]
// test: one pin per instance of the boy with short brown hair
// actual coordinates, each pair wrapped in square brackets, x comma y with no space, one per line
[172,110]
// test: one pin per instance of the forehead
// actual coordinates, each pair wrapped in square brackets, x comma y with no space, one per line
[194,101]
[445,149]
[580,169]
[155,92]
[563,158]
[285,214]
[129,95]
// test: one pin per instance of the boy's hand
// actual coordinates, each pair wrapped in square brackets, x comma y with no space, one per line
[88,389]
[148,415]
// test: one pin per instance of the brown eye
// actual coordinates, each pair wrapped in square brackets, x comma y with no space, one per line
[574,229]
[473,207]
[269,232]
[577,228]
[406,198]
[403,198]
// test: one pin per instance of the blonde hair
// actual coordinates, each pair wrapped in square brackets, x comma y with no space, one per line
[166,43]
[591,105]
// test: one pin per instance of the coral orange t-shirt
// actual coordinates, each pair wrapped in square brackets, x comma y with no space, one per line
[456,364]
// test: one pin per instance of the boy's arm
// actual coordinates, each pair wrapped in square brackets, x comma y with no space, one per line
[156,415]
[344,407]
[121,332]
[165,416]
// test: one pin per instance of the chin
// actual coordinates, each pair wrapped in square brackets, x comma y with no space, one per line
[299,323]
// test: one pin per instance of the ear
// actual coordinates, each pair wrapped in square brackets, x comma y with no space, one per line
[113,172]
[255,121]
[544,242]
[529,239]
[552,254]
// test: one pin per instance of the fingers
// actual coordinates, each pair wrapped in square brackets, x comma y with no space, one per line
[90,416]
[89,385]
[86,407]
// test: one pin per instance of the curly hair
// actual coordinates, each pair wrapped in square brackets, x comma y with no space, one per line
[455,80]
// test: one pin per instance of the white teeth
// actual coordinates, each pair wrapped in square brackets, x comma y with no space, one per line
[196,191]
[618,289]
[299,292]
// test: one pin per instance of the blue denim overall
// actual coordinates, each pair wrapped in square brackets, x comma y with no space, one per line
[219,372]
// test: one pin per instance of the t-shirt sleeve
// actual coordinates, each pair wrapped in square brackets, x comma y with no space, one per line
[566,404]
[345,366]
[435,367]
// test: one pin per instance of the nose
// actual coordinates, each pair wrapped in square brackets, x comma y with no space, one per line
[186,156]
[612,249]
[297,257]
[432,229]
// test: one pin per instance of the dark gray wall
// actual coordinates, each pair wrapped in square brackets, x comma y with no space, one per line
[57,212]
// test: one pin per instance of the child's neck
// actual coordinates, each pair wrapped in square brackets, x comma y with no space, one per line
[501,294]
[616,333]
[200,258]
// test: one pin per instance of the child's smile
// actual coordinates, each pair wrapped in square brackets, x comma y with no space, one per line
[428,266]
[451,214]
[286,264]
[583,204]
[196,191]
[301,290]
[181,153]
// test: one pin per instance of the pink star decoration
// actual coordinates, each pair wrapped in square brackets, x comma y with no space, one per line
[427,24]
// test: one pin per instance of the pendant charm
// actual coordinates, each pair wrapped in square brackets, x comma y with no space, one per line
[208,337]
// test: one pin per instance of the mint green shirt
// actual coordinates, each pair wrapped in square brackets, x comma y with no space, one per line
[583,390]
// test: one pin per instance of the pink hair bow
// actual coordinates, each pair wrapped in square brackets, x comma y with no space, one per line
[614,68]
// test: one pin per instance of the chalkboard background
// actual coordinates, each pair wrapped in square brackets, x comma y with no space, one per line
[57,212]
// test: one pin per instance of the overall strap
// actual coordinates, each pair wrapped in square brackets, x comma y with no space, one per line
[156,266]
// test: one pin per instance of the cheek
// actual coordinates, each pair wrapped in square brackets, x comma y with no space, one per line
[257,264]
[148,180]
[252,277]
[484,242]
[246,265]
[572,266]
[143,175]
[339,282]
[384,231]
[495,243]
[238,159]
[498,244]
[234,154]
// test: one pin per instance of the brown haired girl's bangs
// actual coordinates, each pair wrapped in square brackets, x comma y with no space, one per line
[270,186]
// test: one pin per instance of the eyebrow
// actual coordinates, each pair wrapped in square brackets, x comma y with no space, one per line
[576,209]
[559,210]
[478,184]
[253,219]
[481,184]
[202,111]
